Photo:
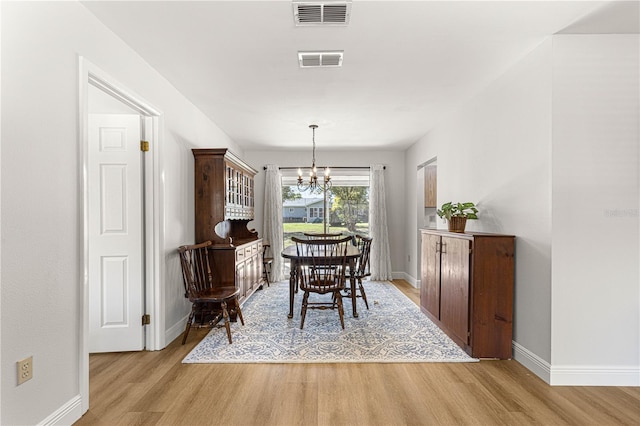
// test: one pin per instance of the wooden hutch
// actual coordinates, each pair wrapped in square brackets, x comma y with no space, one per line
[224,205]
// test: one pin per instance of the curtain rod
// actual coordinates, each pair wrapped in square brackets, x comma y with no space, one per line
[324,167]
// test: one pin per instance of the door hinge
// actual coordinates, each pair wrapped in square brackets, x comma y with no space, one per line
[146,319]
[144,146]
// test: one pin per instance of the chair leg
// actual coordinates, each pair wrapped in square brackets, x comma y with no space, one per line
[239,311]
[340,308]
[362,293]
[265,273]
[225,314]
[188,327]
[303,314]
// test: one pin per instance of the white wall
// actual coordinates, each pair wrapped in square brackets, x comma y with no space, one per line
[0,216]
[505,167]
[41,211]
[596,297]
[495,151]
[552,145]
[394,180]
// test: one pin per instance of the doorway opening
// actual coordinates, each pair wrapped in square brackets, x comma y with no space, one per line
[427,198]
[111,186]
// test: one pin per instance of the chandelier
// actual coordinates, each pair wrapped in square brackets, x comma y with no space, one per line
[313,185]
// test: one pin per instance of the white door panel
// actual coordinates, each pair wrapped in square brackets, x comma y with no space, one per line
[115,234]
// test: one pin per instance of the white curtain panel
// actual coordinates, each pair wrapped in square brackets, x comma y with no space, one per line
[380,260]
[272,226]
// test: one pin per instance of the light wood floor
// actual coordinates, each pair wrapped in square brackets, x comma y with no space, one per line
[155,388]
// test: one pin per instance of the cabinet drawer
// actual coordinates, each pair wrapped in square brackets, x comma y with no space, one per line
[247,252]
[239,255]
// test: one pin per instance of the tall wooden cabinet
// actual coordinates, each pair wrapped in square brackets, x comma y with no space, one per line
[224,197]
[224,205]
[467,289]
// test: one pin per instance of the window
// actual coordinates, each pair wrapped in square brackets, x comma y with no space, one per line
[345,208]
[316,212]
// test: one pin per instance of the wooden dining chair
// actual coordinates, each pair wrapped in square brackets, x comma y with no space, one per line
[209,302]
[328,236]
[324,273]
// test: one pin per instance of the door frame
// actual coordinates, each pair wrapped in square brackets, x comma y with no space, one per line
[153,188]
[420,178]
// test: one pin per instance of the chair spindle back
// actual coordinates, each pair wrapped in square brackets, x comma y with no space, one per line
[196,271]
[325,269]
[330,236]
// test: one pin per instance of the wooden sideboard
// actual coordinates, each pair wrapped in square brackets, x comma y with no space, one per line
[224,205]
[238,265]
[467,289]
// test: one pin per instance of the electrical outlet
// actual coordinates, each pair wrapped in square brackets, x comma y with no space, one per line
[25,370]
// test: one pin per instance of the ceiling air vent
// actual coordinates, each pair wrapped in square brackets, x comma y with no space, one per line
[320,59]
[321,13]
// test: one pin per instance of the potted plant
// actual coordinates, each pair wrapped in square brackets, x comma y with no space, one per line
[457,214]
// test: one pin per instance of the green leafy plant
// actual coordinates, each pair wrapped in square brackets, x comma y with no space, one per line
[449,210]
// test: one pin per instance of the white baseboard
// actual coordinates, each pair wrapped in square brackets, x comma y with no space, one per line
[408,278]
[590,375]
[576,375]
[68,414]
[533,362]
[175,330]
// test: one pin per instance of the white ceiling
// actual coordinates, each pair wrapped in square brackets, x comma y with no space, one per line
[406,63]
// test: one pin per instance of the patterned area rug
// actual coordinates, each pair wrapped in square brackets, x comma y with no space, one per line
[392,330]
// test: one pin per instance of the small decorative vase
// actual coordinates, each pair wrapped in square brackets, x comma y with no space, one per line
[457,223]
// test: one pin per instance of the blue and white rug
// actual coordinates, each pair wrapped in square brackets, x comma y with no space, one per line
[392,330]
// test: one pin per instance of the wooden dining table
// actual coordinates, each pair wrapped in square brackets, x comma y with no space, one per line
[291,253]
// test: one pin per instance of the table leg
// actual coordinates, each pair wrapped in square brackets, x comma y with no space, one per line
[352,281]
[292,285]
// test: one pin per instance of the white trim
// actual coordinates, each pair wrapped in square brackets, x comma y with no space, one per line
[68,414]
[154,220]
[176,330]
[532,362]
[576,375]
[154,232]
[595,375]
[408,278]
[83,135]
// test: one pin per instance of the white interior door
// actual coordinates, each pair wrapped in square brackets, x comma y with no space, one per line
[116,268]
